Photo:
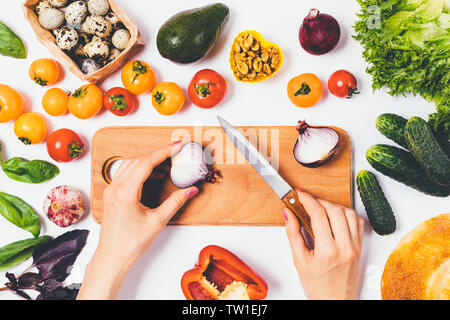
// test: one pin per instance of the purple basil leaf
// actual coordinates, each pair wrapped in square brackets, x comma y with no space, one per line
[54,258]
[29,280]
[60,293]
[12,281]
[49,285]
[22,294]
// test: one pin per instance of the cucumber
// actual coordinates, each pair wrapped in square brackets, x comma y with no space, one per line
[378,209]
[392,126]
[400,165]
[427,151]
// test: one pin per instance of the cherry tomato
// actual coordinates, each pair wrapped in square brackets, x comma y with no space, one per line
[138,77]
[86,101]
[207,88]
[64,145]
[44,72]
[119,101]
[55,102]
[304,90]
[11,103]
[342,84]
[30,128]
[167,98]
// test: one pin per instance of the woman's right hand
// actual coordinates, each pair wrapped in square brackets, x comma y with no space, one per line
[331,269]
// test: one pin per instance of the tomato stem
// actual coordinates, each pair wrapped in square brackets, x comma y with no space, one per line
[138,68]
[351,92]
[40,81]
[75,149]
[159,97]
[304,90]
[80,92]
[119,102]
[203,89]
[25,140]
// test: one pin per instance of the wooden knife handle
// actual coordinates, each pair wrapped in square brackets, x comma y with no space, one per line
[291,201]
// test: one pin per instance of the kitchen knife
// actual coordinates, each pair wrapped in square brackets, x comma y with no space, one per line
[267,172]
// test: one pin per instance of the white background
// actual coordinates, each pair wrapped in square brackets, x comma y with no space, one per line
[157,275]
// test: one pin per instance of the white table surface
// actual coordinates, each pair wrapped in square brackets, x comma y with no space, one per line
[157,275]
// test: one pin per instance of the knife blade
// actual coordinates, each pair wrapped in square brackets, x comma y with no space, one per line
[283,190]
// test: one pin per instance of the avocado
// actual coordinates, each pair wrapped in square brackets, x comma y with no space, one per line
[189,35]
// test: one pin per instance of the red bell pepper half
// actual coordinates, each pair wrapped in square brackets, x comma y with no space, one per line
[220,275]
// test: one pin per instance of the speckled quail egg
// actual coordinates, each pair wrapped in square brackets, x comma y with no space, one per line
[97,25]
[76,13]
[66,38]
[121,38]
[96,49]
[98,7]
[51,18]
[115,21]
[113,55]
[89,66]
[41,6]
[58,3]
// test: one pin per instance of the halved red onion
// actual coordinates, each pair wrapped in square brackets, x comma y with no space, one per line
[315,145]
[189,166]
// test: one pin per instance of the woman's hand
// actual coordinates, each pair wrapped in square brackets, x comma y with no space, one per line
[331,269]
[128,227]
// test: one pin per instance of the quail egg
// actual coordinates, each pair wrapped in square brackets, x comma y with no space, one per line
[115,21]
[113,55]
[97,25]
[121,38]
[89,66]
[51,18]
[98,7]
[96,49]
[57,3]
[41,6]
[66,38]
[76,13]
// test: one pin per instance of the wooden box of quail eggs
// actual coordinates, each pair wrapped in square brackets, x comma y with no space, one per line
[92,38]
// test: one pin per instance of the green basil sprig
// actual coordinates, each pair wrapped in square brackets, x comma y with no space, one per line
[18,212]
[10,44]
[35,171]
[19,251]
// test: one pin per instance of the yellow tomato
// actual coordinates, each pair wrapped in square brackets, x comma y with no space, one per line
[138,77]
[30,128]
[11,103]
[55,102]
[44,72]
[305,90]
[86,101]
[167,98]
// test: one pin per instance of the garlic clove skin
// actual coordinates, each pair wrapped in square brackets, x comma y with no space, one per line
[64,206]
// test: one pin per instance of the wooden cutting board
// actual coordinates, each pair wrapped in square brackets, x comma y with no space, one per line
[241,196]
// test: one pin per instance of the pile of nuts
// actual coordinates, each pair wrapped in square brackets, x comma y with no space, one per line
[87,30]
[251,61]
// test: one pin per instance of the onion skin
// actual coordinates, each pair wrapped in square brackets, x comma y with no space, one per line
[319,33]
[301,128]
[64,206]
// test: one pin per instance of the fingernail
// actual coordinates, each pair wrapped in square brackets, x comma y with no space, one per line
[191,193]
[283,211]
[175,143]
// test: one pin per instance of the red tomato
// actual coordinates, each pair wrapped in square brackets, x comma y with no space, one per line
[207,88]
[343,84]
[64,145]
[119,101]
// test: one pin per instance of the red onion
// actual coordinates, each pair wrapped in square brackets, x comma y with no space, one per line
[319,33]
[315,145]
[189,167]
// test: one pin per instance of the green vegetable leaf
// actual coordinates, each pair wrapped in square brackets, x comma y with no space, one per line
[10,44]
[19,251]
[18,212]
[35,171]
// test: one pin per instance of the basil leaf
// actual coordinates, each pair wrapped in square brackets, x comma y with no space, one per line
[10,44]
[35,171]
[19,251]
[18,212]
[54,258]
